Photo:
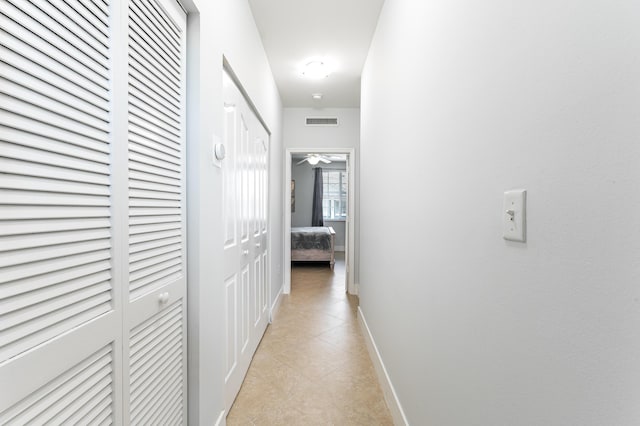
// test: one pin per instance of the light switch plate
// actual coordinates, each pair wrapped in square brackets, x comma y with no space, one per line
[514,215]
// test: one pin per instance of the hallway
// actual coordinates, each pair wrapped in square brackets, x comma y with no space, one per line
[312,366]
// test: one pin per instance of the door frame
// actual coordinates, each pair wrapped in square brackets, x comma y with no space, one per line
[350,228]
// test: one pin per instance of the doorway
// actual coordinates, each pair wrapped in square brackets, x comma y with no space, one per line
[349,154]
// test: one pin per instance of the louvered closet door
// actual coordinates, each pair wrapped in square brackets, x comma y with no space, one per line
[155,313]
[244,201]
[60,319]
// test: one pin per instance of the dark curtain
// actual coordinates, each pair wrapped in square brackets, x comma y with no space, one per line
[316,210]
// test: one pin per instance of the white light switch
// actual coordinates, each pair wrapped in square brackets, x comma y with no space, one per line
[513,215]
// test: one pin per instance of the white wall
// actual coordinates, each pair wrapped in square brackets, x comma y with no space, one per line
[217,28]
[303,175]
[347,135]
[340,229]
[462,101]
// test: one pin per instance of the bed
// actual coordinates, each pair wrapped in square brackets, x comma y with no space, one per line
[313,244]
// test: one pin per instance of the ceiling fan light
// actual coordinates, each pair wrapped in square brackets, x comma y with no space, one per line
[313,160]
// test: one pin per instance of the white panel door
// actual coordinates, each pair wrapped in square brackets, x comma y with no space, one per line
[155,309]
[245,199]
[60,317]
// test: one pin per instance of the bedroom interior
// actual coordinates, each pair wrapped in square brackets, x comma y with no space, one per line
[319,194]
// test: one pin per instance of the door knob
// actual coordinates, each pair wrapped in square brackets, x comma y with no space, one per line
[163,298]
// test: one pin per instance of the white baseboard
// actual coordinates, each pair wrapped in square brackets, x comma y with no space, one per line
[339,248]
[222,419]
[276,304]
[399,419]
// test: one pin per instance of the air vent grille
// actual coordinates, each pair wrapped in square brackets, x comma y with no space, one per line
[322,121]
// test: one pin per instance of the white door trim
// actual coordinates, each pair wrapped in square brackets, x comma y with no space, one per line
[350,238]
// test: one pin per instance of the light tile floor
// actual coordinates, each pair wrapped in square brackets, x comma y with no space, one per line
[312,366]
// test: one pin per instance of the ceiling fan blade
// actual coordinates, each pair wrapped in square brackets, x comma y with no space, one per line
[301,161]
[325,160]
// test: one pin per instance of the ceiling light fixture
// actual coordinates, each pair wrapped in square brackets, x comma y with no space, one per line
[316,70]
[313,160]
[317,96]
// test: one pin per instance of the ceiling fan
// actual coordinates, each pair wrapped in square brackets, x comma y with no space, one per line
[314,159]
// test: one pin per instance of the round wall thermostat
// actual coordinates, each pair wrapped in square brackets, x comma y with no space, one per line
[220,151]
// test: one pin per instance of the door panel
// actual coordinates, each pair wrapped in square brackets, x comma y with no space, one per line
[36,377]
[155,314]
[244,198]
[156,372]
[80,395]
[92,220]
[265,284]
[245,172]
[257,292]
[59,319]
[245,314]
[232,325]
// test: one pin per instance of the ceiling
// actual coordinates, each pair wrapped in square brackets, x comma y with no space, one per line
[295,31]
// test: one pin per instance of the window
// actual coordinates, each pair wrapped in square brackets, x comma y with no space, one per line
[334,194]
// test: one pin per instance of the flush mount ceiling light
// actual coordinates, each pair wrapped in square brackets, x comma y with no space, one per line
[317,96]
[316,70]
